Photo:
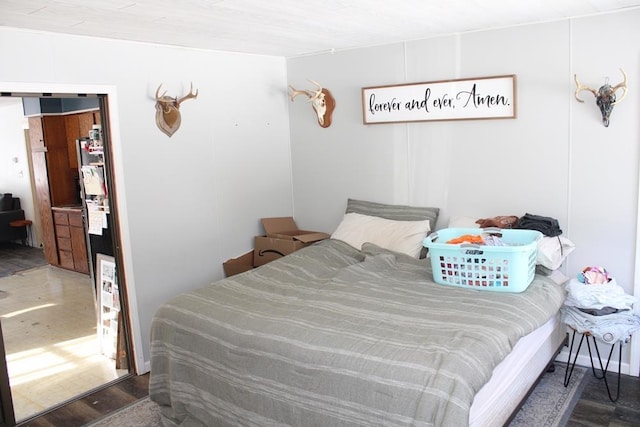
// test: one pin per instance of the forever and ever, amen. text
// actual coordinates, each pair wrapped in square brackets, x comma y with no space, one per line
[463,99]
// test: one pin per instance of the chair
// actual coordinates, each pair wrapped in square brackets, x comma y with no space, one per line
[10,211]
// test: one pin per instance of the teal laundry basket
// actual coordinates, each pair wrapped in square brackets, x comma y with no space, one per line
[509,268]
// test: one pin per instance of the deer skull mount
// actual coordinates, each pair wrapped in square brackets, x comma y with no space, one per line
[168,110]
[322,101]
[605,95]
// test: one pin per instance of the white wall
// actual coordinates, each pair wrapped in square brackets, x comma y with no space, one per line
[14,163]
[191,201]
[555,159]
[194,200]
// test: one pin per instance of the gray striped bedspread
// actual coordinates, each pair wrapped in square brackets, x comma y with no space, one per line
[332,336]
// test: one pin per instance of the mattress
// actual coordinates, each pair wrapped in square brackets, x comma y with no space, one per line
[330,335]
[513,378]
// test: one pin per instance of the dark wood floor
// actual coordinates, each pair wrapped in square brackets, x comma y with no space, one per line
[94,405]
[594,409]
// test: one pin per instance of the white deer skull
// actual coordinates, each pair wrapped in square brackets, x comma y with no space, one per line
[321,100]
[605,95]
[168,110]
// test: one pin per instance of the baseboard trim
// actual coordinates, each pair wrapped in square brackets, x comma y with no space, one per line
[584,360]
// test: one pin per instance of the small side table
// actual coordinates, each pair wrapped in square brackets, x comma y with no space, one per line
[26,223]
[603,370]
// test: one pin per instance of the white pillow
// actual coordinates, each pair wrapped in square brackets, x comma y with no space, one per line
[399,236]
[552,251]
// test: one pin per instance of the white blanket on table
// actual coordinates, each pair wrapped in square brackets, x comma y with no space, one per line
[598,296]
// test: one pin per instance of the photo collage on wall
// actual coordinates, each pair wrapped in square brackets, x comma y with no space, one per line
[109,303]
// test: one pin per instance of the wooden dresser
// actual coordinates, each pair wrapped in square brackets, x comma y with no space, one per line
[52,139]
[70,238]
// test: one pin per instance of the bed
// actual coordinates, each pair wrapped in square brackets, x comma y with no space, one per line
[332,335]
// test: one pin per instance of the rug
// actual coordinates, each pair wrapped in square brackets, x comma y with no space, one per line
[142,413]
[549,405]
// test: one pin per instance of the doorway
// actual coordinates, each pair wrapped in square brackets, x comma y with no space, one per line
[83,282]
[51,347]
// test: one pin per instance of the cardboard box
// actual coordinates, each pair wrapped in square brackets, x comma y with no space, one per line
[238,265]
[282,238]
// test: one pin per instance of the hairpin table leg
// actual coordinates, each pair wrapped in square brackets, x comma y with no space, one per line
[569,371]
[604,370]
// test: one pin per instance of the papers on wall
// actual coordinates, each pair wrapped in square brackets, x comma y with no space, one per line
[93,179]
[97,220]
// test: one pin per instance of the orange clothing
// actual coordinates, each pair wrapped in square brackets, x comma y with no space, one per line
[467,238]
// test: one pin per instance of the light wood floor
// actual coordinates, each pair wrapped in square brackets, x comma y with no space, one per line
[52,348]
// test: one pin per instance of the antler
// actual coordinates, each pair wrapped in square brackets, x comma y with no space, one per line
[622,85]
[295,92]
[311,94]
[188,96]
[157,91]
[319,91]
[581,87]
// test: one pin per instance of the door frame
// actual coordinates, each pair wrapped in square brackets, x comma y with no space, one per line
[22,89]
[7,416]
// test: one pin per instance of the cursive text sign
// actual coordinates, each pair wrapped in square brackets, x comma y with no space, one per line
[462,99]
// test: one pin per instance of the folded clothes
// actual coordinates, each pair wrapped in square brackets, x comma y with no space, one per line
[544,224]
[600,311]
[612,328]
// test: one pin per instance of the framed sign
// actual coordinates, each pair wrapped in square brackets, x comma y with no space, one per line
[462,99]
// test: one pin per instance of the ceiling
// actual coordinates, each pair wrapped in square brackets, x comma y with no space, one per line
[286,27]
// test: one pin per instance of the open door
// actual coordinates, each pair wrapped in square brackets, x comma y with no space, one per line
[124,343]
[96,190]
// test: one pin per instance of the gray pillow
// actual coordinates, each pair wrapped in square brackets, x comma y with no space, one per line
[396,213]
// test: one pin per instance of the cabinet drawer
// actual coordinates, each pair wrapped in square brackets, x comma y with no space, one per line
[63,231]
[75,220]
[60,218]
[64,244]
[66,259]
